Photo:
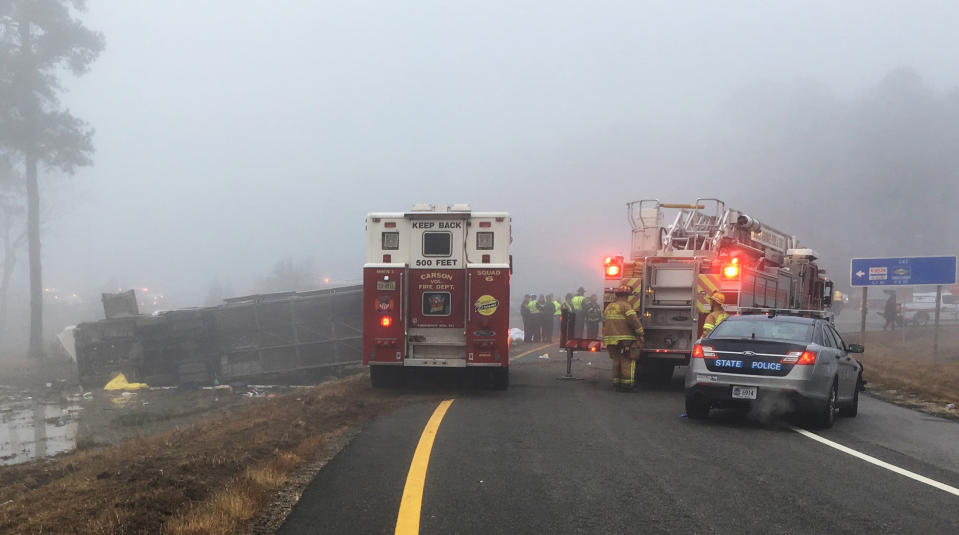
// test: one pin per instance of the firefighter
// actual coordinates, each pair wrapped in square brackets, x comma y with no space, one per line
[577,303]
[623,335]
[534,319]
[593,313]
[570,323]
[546,320]
[527,324]
[716,313]
[557,313]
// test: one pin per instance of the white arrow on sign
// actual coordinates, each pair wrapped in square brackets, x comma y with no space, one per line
[860,273]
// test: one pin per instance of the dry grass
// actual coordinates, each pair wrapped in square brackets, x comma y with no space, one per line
[909,367]
[228,510]
[212,477]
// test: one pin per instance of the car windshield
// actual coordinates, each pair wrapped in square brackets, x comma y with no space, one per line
[764,328]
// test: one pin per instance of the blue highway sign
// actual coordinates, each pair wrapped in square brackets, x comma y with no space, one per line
[905,271]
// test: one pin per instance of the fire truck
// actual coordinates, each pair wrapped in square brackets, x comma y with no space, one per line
[436,293]
[674,268]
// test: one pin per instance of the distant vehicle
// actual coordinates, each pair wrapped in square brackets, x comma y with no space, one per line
[789,363]
[922,309]
[436,293]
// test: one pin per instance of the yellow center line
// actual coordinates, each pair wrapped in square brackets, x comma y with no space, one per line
[524,353]
[408,520]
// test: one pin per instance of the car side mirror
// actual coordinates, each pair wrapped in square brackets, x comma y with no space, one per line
[855,348]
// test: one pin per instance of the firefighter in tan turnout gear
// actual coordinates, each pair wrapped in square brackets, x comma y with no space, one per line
[623,336]
[716,314]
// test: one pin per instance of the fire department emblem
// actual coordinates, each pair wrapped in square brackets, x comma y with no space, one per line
[384,305]
[486,305]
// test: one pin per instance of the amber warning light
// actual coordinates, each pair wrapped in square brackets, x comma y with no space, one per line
[614,267]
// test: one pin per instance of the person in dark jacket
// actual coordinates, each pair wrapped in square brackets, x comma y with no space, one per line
[546,321]
[593,316]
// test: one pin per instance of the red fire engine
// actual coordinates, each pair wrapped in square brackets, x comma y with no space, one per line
[436,292]
[708,247]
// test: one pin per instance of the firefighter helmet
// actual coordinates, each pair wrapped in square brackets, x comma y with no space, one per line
[624,290]
[718,298]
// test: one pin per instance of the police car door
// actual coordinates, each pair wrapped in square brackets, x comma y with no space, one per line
[831,355]
[847,366]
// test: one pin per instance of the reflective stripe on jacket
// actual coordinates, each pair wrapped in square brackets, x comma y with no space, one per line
[620,323]
[713,319]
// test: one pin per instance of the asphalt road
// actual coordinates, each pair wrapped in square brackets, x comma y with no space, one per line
[550,456]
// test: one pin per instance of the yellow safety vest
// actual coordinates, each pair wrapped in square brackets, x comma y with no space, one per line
[577,302]
[533,307]
[558,308]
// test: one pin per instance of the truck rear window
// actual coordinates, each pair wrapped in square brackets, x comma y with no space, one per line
[437,244]
[484,240]
[764,328]
[391,241]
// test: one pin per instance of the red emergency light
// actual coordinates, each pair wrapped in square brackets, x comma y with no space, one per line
[731,270]
[613,267]
[386,321]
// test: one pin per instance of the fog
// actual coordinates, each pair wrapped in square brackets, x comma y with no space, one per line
[235,135]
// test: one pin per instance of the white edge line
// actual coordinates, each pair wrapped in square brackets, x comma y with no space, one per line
[877,462]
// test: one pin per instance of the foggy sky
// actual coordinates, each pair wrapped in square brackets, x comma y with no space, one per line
[233,134]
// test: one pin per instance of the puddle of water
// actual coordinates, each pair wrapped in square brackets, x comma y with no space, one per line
[32,428]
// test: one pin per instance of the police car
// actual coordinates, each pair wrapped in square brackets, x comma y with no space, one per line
[780,362]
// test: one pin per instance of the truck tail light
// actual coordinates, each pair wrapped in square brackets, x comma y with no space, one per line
[703,352]
[800,358]
[386,321]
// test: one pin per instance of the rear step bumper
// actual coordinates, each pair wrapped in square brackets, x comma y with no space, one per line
[436,363]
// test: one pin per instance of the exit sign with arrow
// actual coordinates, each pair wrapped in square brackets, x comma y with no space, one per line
[903,271]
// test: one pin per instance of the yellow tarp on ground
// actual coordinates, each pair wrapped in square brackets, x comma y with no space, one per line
[120,383]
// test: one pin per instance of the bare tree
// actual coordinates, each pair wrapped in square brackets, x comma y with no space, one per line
[38,40]
[13,235]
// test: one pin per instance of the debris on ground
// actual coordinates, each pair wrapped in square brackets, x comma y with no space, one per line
[120,383]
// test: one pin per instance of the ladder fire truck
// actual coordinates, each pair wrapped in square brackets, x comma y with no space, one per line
[708,247]
[436,293]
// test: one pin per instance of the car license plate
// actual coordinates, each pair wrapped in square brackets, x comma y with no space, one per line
[744,392]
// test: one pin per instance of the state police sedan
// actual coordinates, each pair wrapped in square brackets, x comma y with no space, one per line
[781,363]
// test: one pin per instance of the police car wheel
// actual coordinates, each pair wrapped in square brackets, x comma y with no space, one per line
[852,410]
[697,408]
[827,414]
